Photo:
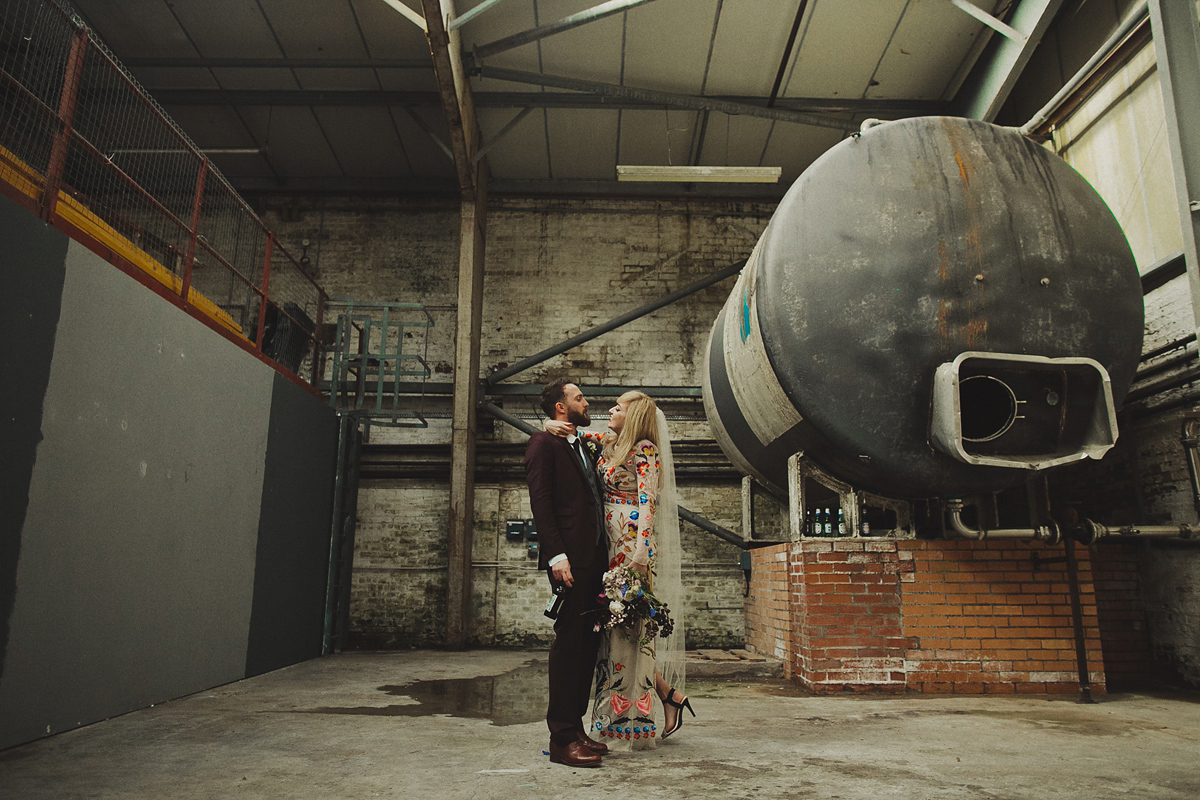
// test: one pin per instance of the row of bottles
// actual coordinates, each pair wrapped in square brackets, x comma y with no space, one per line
[823,522]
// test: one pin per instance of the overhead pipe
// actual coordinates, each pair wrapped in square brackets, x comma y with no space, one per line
[612,324]
[685,514]
[1043,533]
[1137,17]
[1085,531]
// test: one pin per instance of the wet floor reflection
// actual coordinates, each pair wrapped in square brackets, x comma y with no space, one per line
[515,697]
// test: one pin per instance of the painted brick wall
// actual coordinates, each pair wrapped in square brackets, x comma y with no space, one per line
[768,615]
[1121,614]
[924,616]
[1145,479]
[553,269]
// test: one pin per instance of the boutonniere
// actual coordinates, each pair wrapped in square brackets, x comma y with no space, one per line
[593,449]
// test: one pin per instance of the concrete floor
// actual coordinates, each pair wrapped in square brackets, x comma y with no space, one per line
[431,725]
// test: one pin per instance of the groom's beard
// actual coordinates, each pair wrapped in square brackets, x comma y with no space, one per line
[580,419]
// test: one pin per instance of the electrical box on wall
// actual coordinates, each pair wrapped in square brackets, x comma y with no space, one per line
[514,530]
[530,530]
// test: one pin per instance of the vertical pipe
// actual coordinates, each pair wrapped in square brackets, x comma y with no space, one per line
[266,283]
[318,354]
[197,202]
[1085,683]
[348,530]
[747,508]
[66,115]
[335,527]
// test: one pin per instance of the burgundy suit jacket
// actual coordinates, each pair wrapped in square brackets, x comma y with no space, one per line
[565,509]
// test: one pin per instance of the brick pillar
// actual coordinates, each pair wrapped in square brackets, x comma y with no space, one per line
[846,615]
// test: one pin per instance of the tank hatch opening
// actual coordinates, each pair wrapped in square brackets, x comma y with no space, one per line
[1023,412]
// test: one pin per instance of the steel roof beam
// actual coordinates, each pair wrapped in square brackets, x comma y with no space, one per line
[483,151]
[407,13]
[995,73]
[358,98]
[454,90]
[447,187]
[277,63]
[669,99]
[458,22]
[987,19]
[565,24]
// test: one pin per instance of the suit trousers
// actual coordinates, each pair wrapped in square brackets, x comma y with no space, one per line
[573,656]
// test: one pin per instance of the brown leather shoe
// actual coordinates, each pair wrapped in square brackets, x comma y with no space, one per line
[599,748]
[573,754]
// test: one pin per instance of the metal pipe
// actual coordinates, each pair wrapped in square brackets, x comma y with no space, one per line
[1190,441]
[1085,682]
[713,528]
[612,324]
[335,529]
[1136,18]
[1183,531]
[499,413]
[1043,533]
[684,514]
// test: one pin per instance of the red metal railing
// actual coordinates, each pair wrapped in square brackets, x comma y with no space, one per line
[83,146]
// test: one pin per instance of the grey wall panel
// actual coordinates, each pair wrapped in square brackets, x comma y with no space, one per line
[31,282]
[137,563]
[290,572]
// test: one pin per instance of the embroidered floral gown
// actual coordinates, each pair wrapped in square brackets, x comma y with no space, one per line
[624,705]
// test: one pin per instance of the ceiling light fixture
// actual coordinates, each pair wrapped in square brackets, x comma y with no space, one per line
[699,174]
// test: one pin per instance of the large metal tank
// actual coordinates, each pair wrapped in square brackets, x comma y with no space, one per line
[937,307]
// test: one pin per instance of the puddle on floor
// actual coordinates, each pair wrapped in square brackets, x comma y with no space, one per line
[515,697]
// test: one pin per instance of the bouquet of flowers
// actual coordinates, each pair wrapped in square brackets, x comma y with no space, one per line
[627,600]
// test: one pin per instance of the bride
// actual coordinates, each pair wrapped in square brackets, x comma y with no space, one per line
[642,525]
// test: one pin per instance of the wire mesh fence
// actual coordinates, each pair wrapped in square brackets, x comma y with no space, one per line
[86,148]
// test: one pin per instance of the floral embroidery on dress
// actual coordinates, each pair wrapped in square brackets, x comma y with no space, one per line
[623,670]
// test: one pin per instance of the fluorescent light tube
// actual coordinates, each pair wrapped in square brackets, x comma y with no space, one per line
[699,174]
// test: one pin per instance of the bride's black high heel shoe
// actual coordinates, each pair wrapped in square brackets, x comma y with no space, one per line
[678,717]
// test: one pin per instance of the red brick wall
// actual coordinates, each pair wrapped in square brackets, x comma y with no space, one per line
[926,616]
[984,621]
[847,619]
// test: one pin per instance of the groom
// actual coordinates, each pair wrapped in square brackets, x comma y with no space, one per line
[565,496]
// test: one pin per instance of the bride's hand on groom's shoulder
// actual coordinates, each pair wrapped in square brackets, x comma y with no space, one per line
[558,428]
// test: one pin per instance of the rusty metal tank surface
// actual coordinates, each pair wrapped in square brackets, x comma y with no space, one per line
[937,307]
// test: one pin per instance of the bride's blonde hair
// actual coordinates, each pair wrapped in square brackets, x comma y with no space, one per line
[641,422]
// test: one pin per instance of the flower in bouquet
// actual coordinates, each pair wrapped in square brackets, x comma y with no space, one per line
[628,600]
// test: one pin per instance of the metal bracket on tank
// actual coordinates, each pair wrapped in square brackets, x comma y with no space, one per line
[800,469]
